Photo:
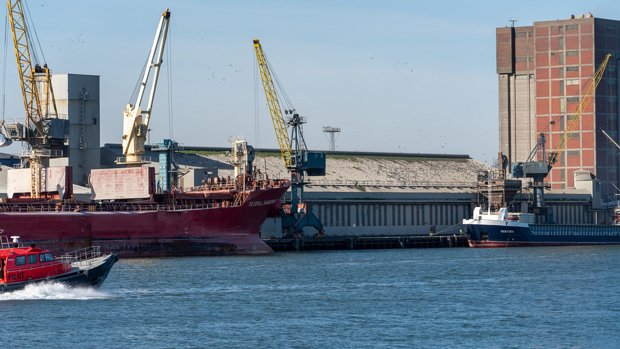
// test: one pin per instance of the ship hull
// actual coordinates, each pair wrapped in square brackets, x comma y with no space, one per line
[509,234]
[188,230]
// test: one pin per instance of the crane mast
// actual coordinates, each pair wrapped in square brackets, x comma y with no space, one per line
[135,118]
[297,159]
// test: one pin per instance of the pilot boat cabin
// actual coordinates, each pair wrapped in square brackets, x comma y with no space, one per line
[24,264]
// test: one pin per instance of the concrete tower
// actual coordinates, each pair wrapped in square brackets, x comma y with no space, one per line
[77,99]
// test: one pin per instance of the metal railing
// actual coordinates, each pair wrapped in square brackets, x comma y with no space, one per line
[111,207]
[81,255]
[5,243]
[138,159]
[41,152]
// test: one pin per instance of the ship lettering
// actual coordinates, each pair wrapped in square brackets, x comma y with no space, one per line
[16,276]
[262,203]
[505,231]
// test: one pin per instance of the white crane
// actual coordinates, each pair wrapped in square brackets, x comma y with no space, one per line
[135,118]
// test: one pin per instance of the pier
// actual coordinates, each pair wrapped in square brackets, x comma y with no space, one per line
[366,242]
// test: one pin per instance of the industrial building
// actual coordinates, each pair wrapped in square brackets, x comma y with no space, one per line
[77,100]
[543,71]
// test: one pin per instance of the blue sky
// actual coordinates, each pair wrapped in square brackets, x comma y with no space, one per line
[396,76]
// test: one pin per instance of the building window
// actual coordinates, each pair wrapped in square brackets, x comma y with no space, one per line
[572,99]
[572,68]
[561,87]
[572,82]
[572,53]
[561,41]
[572,26]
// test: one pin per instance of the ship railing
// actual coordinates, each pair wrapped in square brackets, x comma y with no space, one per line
[111,207]
[83,254]
[136,159]
[213,184]
[104,207]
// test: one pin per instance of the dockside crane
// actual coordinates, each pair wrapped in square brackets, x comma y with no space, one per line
[538,165]
[135,118]
[44,132]
[293,150]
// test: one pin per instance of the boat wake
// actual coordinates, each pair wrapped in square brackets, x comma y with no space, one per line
[54,291]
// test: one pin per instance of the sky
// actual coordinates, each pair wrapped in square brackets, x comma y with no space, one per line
[395,76]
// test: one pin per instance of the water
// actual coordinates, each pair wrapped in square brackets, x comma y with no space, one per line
[423,298]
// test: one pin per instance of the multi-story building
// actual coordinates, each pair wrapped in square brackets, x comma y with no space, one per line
[543,72]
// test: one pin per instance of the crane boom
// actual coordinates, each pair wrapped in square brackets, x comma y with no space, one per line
[279,124]
[583,104]
[32,77]
[136,119]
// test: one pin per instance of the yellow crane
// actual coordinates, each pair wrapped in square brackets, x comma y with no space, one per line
[273,103]
[38,97]
[538,166]
[298,160]
[583,104]
[32,77]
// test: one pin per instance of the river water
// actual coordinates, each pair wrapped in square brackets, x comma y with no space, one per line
[415,298]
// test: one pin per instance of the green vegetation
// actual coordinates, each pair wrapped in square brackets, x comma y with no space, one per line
[268,154]
[204,152]
[344,157]
[360,188]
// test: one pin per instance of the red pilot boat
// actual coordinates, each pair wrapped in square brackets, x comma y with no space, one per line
[21,266]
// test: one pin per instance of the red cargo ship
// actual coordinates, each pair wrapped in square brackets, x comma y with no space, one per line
[216,219]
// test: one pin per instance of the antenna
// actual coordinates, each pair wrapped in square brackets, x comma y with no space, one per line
[331,133]
[512,22]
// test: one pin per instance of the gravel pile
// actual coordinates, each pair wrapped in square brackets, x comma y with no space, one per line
[374,169]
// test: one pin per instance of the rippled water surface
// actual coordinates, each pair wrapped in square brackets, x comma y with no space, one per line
[423,298]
